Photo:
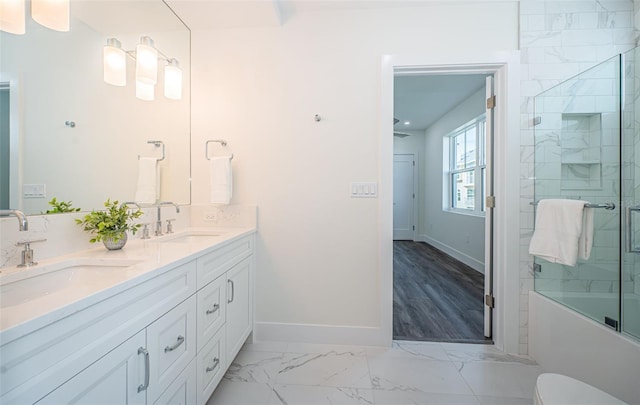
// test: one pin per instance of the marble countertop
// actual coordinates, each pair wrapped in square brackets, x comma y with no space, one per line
[139,261]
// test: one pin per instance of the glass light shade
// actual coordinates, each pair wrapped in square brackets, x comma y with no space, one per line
[12,16]
[146,62]
[52,14]
[115,63]
[173,80]
[145,91]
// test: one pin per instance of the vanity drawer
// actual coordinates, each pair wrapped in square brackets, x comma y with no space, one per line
[214,264]
[212,306]
[35,364]
[171,341]
[211,366]
[182,390]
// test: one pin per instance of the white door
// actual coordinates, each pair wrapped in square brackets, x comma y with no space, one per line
[403,197]
[488,225]
[239,317]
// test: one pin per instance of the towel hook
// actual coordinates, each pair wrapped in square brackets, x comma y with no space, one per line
[220,141]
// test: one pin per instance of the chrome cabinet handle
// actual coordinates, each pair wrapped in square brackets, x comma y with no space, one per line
[214,309]
[175,346]
[216,361]
[144,386]
[629,222]
[233,291]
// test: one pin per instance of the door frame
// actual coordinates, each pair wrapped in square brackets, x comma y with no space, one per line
[416,185]
[506,284]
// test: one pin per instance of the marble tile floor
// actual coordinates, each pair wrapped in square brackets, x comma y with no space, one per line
[275,373]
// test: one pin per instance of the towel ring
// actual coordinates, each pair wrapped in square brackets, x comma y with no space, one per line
[220,141]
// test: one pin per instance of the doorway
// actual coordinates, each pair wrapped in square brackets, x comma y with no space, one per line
[505,284]
[439,254]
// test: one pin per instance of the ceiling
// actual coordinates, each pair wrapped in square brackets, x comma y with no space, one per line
[422,100]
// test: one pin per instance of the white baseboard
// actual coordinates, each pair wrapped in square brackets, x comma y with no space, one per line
[321,334]
[456,254]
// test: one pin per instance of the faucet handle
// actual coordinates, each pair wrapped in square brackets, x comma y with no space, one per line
[145,231]
[27,242]
[27,253]
[170,225]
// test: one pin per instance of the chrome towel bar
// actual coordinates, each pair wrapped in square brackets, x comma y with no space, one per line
[206,147]
[607,206]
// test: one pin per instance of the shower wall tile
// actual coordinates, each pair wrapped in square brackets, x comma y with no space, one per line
[559,39]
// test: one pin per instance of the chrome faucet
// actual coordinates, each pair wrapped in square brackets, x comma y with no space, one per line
[158,231]
[128,203]
[22,219]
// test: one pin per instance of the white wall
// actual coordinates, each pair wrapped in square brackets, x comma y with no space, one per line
[259,88]
[460,235]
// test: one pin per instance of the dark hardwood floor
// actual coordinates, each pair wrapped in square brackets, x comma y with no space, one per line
[435,297]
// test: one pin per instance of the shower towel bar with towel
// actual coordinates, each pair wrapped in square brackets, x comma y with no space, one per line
[220,141]
[607,206]
[157,144]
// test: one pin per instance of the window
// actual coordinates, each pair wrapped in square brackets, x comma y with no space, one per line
[465,150]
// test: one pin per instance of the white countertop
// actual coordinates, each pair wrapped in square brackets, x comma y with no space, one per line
[18,317]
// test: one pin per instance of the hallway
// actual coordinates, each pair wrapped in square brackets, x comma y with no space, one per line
[435,297]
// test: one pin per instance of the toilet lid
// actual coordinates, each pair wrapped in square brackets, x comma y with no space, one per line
[557,389]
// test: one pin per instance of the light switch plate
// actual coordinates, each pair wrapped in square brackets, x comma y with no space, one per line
[34,190]
[364,190]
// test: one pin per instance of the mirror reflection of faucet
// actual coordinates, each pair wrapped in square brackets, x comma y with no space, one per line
[22,219]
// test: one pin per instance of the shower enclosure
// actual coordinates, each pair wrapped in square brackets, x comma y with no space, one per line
[587,147]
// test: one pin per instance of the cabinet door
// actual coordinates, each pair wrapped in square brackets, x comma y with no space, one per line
[114,379]
[212,307]
[239,306]
[171,341]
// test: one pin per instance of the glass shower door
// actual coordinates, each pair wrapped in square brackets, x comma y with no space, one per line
[630,281]
[577,136]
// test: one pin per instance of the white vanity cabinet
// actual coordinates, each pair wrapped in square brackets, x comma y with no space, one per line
[169,339]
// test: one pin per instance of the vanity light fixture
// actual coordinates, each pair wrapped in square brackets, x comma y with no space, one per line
[145,91]
[146,62]
[146,56]
[115,63]
[52,14]
[173,80]
[12,18]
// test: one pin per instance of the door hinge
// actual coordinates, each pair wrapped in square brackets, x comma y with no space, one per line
[490,201]
[537,121]
[414,227]
[414,162]
[489,301]
[491,102]
[414,196]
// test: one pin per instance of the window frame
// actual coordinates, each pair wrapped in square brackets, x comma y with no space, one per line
[477,169]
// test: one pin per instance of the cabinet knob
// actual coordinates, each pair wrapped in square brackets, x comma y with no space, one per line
[212,310]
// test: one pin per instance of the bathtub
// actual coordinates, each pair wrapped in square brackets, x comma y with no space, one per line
[563,341]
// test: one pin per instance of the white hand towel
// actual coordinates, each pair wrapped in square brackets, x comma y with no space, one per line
[147,190]
[221,180]
[558,229]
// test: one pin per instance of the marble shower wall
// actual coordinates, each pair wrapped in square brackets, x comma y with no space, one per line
[559,40]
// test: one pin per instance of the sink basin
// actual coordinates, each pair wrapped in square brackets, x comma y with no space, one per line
[190,237]
[66,278]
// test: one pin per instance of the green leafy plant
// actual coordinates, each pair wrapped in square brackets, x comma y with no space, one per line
[60,207]
[111,223]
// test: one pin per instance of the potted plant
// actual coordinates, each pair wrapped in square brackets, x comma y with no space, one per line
[110,225]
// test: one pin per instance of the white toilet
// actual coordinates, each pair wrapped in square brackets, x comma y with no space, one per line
[558,389]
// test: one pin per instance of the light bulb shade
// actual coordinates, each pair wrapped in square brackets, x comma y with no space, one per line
[146,62]
[145,91]
[115,63]
[52,14]
[173,80]
[12,16]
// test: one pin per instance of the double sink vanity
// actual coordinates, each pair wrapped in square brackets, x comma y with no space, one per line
[157,322]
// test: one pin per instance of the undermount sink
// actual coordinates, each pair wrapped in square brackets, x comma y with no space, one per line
[190,237]
[63,278]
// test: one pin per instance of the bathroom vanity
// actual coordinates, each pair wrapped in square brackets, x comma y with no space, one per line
[158,322]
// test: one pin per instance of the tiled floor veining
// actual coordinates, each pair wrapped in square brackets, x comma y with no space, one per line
[275,373]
